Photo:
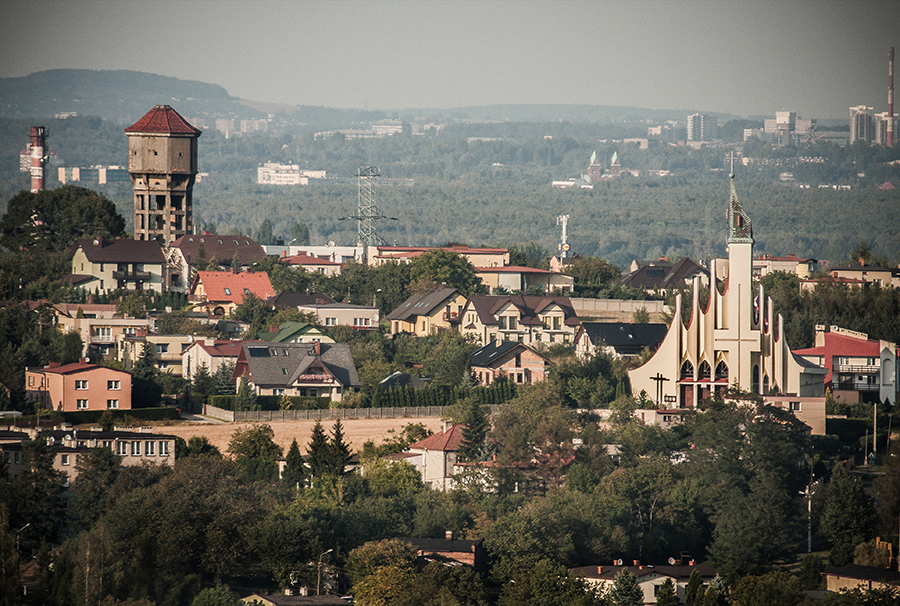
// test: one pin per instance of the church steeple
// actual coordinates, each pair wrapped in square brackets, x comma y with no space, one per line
[740,229]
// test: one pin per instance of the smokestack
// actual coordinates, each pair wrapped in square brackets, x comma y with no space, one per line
[889,136]
[38,136]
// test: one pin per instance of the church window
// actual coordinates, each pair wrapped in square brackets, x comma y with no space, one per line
[705,371]
[721,372]
[687,370]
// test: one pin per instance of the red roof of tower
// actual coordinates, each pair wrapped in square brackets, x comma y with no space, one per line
[163,119]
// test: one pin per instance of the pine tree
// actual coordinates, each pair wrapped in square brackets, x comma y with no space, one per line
[318,452]
[625,590]
[224,384]
[340,450]
[694,591]
[666,595]
[475,429]
[294,467]
[246,395]
[203,384]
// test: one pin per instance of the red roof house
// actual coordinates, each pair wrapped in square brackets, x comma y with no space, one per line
[219,292]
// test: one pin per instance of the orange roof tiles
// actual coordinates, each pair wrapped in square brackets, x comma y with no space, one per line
[448,440]
[163,119]
[228,286]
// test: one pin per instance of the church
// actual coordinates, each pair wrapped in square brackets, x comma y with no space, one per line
[733,338]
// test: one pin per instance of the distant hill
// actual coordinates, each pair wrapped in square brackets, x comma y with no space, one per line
[123,96]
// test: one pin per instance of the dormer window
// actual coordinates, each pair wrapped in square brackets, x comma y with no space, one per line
[228,291]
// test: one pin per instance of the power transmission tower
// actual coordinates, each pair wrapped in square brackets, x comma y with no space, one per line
[367,213]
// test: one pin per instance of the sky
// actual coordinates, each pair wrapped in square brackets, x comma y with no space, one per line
[748,58]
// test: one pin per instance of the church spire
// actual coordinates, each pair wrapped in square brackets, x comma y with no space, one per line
[740,229]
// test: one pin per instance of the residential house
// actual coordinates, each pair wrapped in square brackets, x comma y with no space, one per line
[434,457]
[516,278]
[295,300]
[211,352]
[853,576]
[361,317]
[478,257]
[192,249]
[68,444]
[428,313]
[560,264]
[294,332]
[280,599]
[312,264]
[857,368]
[402,380]
[451,551]
[78,386]
[526,319]
[619,339]
[649,578]
[220,292]
[809,410]
[800,267]
[664,276]
[167,349]
[515,361]
[98,326]
[120,264]
[298,369]
[868,275]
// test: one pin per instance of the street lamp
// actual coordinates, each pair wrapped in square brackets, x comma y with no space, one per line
[17,534]
[375,294]
[319,578]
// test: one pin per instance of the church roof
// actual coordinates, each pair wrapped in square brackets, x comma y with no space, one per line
[163,119]
[740,228]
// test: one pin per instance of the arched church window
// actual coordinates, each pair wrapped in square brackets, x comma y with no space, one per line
[721,371]
[765,385]
[754,382]
[687,370]
[705,371]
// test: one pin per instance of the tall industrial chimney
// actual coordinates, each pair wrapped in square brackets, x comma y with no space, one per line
[889,136]
[38,136]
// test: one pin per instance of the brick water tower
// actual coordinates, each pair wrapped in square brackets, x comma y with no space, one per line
[162,160]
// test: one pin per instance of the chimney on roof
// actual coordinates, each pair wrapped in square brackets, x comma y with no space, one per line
[273,328]
[317,347]
[90,299]
[599,569]
[691,563]
[448,534]
[55,364]
[283,253]
[636,562]
[209,341]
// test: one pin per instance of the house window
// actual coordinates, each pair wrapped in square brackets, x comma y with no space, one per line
[114,385]
[330,321]
[149,448]
[64,459]
[112,404]
[556,322]
[794,406]
[513,324]
[82,404]
[502,320]
[81,385]
[162,348]
[122,448]
[227,291]
[136,448]
[163,449]
[277,392]
[107,444]
[30,381]
[362,322]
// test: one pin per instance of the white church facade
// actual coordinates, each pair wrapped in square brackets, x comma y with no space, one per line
[733,338]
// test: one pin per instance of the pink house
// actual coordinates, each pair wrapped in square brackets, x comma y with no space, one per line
[79,386]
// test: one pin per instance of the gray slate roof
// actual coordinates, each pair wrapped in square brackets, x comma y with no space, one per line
[99,250]
[418,305]
[625,338]
[279,364]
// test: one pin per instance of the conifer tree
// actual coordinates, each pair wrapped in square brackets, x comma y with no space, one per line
[294,467]
[318,452]
[246,395]
[224,385]
[625,590]
[476,425]
[694,590]
[340,450]
[203,384]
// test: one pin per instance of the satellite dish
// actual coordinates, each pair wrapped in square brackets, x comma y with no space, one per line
[671,561]
[331,243]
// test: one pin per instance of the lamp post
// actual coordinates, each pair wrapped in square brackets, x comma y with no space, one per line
[17,534]
[319,577]
[375,294]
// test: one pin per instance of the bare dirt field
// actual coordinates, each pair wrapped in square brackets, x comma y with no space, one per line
[356,431]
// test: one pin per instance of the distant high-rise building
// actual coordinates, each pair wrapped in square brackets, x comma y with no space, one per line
[702,127]
[881,127]
[162,161]
[861,128]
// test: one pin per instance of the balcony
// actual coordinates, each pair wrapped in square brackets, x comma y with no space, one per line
[131,276]
[102,339]
[856,369]
[451,316]
[854,386]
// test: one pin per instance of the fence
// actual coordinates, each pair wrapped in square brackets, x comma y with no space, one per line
[328,414]
[588,307]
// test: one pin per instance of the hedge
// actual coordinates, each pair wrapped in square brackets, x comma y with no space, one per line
[223,402]
[144,414]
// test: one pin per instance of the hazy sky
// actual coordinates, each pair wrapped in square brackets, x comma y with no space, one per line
[746,58]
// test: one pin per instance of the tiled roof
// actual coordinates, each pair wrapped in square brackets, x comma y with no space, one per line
[443,545]
[219,349]
[71,309]
[296,299]
[843,345]
[495,350]
[163,119]
[282,364]
[98,250]
[610,572]
[487,306]
[662,276]
[512,269]
[625,338]
[223,248]
[229,286]
[304,259]
[418,305]
[448,440]
[68,369]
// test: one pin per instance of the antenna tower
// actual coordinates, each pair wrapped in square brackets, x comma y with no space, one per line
[564,241]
